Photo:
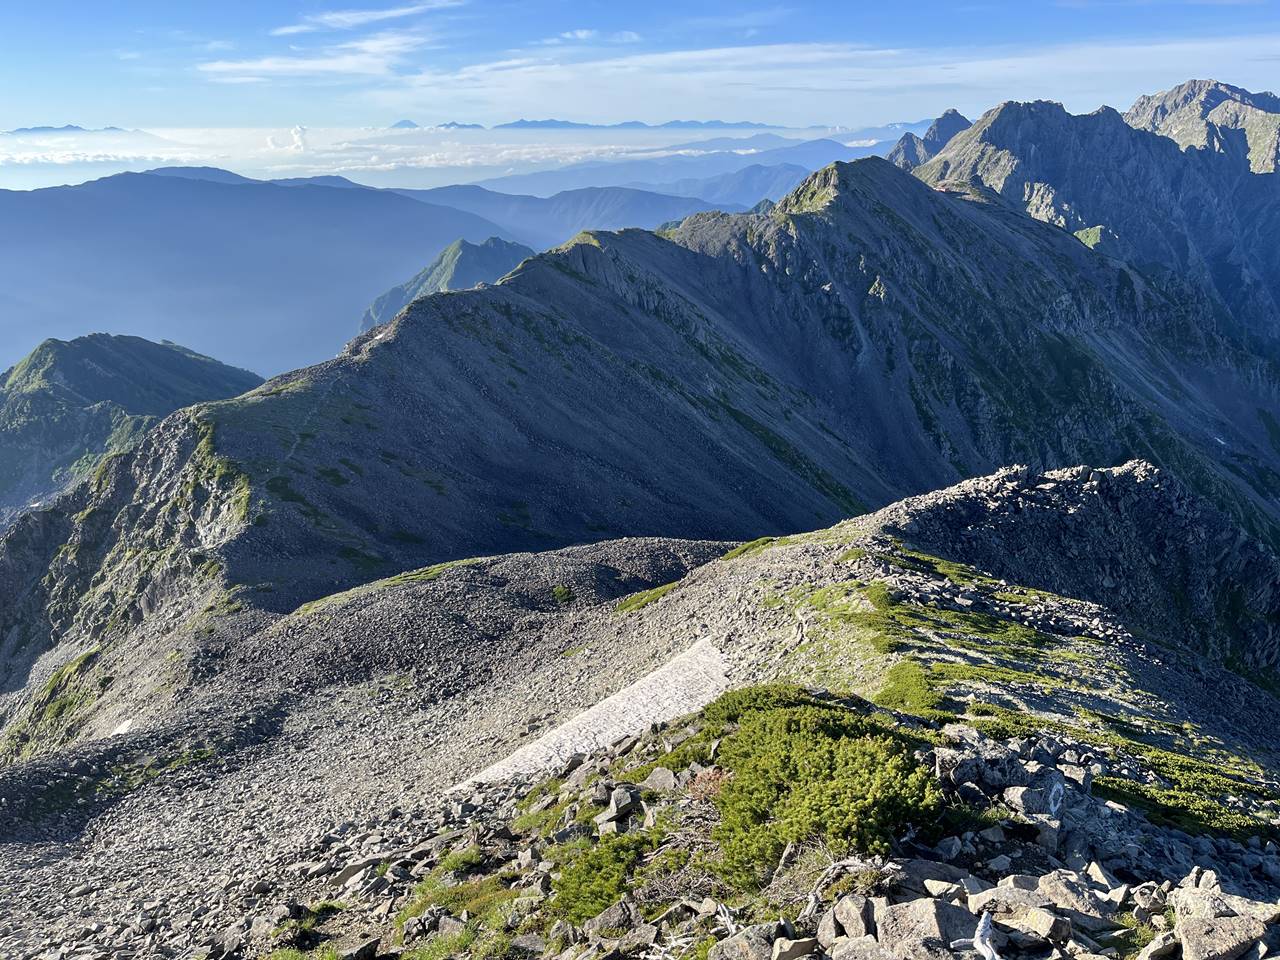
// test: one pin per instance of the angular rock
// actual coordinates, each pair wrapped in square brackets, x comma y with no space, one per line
[1007,900]
[660,779]
[1218,938]
[1038,923]
[619,916]
[923,919]
[784,949]
[859,948]
[751,943]
[855,915]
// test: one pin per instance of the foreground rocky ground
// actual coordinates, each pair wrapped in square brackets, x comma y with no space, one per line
[1019,633]
[624,853]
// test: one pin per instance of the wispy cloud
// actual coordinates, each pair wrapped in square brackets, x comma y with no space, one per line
[372,56]
[352,19]
[843,83]
[593,36]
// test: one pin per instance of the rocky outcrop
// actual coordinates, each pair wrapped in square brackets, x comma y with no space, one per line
[1132,539]
[1134,194]
[1208,115]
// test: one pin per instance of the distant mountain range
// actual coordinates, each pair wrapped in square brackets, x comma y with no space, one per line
[633,125]
[745,187]
[67,128]
[267,277]
[69,403]
[810,154]
[543,222]
[460,266]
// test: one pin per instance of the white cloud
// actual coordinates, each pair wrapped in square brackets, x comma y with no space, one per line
[351,19]
[584,36]
[370,56]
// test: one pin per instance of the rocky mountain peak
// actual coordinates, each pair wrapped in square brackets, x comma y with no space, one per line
[1210,115]
[911,151]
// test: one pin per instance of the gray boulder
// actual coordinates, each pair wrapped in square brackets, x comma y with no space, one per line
[1219,938]
[751,943]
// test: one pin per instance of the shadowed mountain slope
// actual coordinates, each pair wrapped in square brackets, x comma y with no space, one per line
[1134,194]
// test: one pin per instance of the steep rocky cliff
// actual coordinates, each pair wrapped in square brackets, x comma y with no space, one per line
[1206,114]
[1203,214]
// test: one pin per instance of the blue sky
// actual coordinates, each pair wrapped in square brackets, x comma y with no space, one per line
[146,63]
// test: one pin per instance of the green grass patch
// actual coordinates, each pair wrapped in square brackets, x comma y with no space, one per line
[746,549]
[644,598]
[909,688]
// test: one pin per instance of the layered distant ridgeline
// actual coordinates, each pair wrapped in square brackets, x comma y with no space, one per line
[68,403]
[543,222]
[460,266]
[266,276]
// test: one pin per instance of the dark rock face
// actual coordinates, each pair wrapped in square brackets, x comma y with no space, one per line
[68,403]
[1206,114]
[1135,194]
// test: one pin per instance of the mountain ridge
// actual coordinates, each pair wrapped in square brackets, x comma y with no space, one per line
[1041,349]
[1134,194]
[67,404]
[1208,114]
